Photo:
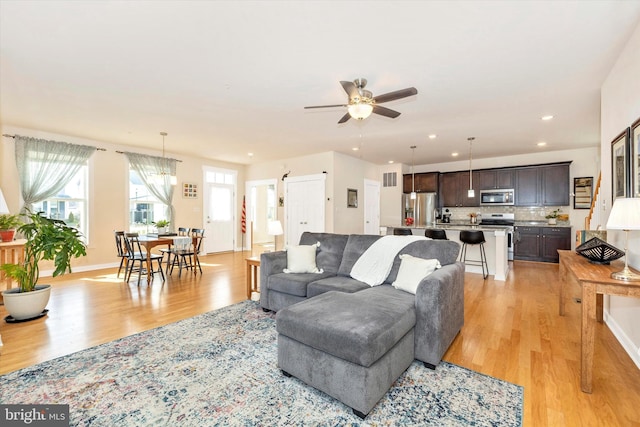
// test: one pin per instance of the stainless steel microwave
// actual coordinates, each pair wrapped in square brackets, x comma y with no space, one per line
[497,197]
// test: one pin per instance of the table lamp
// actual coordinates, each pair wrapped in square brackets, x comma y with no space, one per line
[274,228]
[625,215]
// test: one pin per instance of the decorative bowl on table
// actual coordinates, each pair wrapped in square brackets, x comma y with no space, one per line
[598,251]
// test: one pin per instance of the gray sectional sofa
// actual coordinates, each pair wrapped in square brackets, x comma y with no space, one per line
[349,339]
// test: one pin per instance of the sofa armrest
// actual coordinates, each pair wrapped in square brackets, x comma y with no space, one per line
[439,312]
[270,263]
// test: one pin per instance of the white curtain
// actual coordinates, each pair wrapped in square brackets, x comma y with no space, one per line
[150,168]
[45,167]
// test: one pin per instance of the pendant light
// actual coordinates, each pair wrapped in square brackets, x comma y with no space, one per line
[413,175]
[471,192]
[162,175]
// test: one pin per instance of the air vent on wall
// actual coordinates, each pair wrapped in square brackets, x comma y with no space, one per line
[390,179]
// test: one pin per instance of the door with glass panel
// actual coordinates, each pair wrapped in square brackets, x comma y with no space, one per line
[219,218]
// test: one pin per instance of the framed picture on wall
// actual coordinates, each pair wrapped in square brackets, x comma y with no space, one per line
[189,190]
[635,158]
[620,173]
[583,192]
[352,198]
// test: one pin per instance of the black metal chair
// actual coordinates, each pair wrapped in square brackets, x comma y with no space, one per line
[435,234]
[402,232]
[474,237]
[171,251]
[121,249]
[135,255]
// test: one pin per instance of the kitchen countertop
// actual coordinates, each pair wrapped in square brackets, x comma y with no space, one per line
[460,225]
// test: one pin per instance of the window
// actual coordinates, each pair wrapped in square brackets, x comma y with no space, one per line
[144,207]
[70,204]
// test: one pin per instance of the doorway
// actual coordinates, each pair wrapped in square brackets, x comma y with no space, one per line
[304,204]
[219,210]
[261,207]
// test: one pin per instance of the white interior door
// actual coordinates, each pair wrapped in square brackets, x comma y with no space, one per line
[219,218]
[304,203]
[371,207]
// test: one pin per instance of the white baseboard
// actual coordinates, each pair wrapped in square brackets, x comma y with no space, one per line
[82,268]
[624,340]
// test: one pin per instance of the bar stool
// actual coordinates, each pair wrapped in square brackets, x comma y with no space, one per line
[402,232]
[474,237]
[435,234]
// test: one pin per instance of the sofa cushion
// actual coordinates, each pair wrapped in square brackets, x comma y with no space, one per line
[302,259]
[445,251]
[356,245]
[294,283]
[412,271]
[329,254]
[359,327]
[336,283]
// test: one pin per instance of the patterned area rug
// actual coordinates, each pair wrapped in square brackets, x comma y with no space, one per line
[220,368]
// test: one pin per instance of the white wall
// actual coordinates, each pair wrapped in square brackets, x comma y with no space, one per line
[620,106]
[108,190]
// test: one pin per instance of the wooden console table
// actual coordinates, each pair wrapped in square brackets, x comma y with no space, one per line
[253,264]
[595,281]
[10,253]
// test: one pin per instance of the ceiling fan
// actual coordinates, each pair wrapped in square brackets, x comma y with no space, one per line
[362,102]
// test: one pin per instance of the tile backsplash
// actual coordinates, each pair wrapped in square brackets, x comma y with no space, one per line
[536,213]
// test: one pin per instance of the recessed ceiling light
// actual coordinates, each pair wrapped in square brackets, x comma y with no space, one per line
[390,161]
[541,144]
[454,154]
[355,148]
[250,154]
[432,136]
[548,117]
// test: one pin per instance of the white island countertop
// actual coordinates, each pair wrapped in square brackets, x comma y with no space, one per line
[496,245]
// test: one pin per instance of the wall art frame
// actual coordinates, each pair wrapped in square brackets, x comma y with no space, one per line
[189,190]
[635,158]
[582,192]
[620,166]
[352,198]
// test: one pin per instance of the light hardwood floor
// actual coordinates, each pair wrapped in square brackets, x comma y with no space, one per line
[512,331]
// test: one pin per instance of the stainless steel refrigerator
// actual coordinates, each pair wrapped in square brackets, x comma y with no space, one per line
[422,209]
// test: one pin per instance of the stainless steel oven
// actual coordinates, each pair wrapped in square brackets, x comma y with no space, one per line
[506,220]
[497,197]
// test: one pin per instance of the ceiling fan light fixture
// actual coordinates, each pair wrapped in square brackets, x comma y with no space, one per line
[360,111]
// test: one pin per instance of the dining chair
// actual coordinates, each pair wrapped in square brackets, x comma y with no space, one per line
[182,232]
[188,258]
[121,249]
[136,255]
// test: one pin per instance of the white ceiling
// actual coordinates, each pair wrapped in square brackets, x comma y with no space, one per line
[228,78]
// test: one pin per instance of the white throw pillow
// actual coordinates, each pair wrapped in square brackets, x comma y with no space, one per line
[302,259]
[412,271]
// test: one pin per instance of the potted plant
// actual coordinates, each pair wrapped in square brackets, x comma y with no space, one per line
[8,225]
[161,226]
[47,239]
[553,216]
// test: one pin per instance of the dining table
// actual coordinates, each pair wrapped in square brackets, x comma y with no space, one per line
[150,242]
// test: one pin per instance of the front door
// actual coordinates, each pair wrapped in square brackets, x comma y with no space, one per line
[219,218]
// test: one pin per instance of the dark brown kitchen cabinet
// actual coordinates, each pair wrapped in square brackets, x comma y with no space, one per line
[540,243]
[454,188]
[555,185]
[490,179]
[527,186]
[554,238]
[526,242]
[426,182]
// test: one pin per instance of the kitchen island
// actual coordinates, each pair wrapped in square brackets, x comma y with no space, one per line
[496,245]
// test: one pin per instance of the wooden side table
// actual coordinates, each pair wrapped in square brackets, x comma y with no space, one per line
[10,253]
[253,264]
[595,281]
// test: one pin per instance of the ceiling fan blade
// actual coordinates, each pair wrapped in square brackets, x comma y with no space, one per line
[344,118]
[384,111]
[398,94]
[327,106]
[351,89]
